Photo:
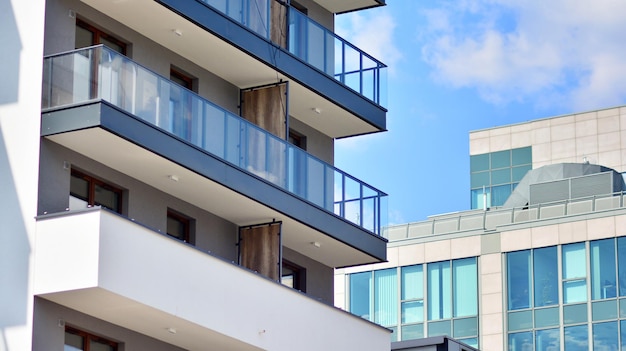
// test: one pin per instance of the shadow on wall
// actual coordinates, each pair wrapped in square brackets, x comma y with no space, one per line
[14,252]
[9,55]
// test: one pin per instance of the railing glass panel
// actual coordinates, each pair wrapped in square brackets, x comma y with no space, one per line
[98,73]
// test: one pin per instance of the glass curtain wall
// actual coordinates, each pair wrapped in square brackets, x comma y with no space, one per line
[417,301]
[570,297]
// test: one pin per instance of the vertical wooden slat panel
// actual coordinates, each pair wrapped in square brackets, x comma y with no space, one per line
[266,107]
[279,24]
[260,249]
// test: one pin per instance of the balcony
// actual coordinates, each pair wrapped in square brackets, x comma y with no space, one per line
[94,97]
[312,43]
[109,267]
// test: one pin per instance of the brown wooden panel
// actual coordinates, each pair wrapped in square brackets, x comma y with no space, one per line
[279,24]
[260,249]
[266,107]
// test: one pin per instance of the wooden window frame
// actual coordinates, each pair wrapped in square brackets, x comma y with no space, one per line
[91,192]
[299,275]
[185,220]
[98,34]
[297,139]
[186,78]
[88,337]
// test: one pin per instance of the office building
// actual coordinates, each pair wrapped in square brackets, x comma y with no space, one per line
[539,264]
[167,175]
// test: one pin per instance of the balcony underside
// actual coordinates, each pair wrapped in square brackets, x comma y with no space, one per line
[144,152]
[111,268]
[239,56]
[335,6]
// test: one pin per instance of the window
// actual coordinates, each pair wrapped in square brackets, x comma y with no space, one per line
[178,225]
[95,192]
[180,104]
[297,139]
[88,35]
[293,276]
[439,298]
[79,340]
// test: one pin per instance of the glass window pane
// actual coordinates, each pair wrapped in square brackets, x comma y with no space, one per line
[603,275]
[547,340]
[574,291]
[545,276]
[518,173]
[518,279]
[622,325]
[575,314]
[605,336]
[79,188]
[439,291]
[622,308]
[604,310]
[546,317]
[465,287]
[522,156]
[413,311]
[73,342]
[520,320]
[473,342]
[479,163]
[84,37]
[98,346]
[574,261]
[479,198]
[414,331]
[439,328]
[478,180]
[465,327]
[360,294]
[412,282]
[576,338]
[106,198]
[499,194]
[501,176]
[501,159]
[621,264]
[386,297]
[521,341]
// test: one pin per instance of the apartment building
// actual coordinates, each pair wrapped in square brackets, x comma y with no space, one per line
[539,263]
[167,175]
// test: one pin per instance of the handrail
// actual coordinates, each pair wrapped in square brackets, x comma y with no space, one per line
[99,73]
[312,43]
[490,219]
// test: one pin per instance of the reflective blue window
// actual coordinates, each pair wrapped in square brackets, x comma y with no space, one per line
[479,163]
[386,297]
[605,336]
[621,264]
[518,279]
[547,340]
[501,159]
[521,341]
[603,272]
[465,287]
[499,194]
[574,273]
[576,338]
[360,294]
[546,276]
[412,307]
[439,291]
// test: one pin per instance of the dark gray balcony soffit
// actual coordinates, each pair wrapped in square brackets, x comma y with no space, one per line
[220,25]
[102,115]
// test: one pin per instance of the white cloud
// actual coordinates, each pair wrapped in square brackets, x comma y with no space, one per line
[519,50]
[372,32]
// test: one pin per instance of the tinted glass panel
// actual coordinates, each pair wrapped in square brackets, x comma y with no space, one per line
[574,291]
[576,338]
[479,163]
[547,317]
[439,291]
[73,342]
[360,293]
[575,314]
[517,173]
[603,310]
[479,179]
[413,311]
[605,336]
[521,341]
[106,198]
[522,156]
[97,346]
[412,282]
[386,297]
[603,274]
[547,340]
[439,328]
[501,159]
[465,327]
[465,287]
[520,320]
[79,188]
[501,176]
[621,263]
[518,279]
[84,37]
[546,276]
[410,332]
[499,194]
[574,266]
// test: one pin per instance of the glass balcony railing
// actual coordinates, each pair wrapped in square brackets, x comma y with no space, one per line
[99,73]
[314,44]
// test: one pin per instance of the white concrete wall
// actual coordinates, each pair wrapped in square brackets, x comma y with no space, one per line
[21,25]
[599,136]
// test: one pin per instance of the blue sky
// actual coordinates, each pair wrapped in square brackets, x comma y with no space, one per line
[463,65]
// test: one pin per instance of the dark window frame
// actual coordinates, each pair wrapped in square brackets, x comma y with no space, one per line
[91,192]
[299,275]
[183,219]
[88,337]
[297,139]
[98,34]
